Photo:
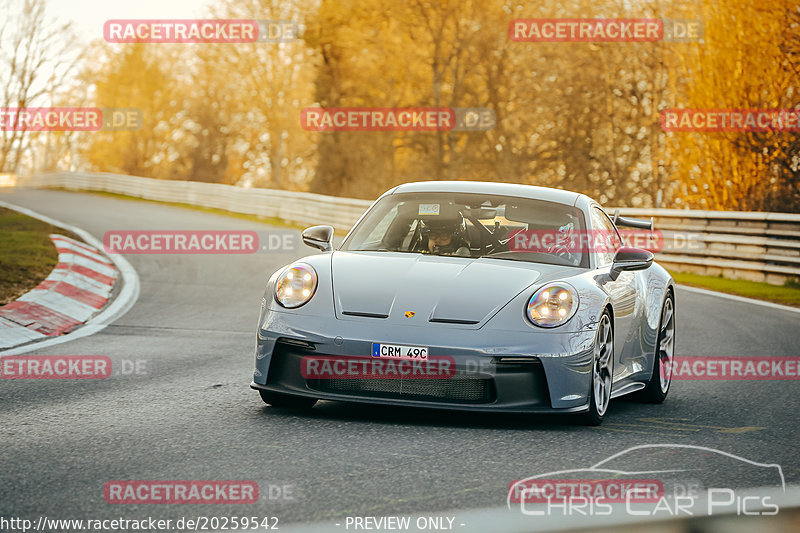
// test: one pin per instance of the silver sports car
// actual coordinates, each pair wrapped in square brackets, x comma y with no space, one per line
[470,295]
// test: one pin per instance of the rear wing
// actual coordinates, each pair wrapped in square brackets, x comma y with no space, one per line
[637,223]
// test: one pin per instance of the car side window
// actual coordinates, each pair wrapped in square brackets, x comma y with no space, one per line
[605,239]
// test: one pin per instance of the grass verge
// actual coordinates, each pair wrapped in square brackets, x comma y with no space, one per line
[788,294]
[27,255]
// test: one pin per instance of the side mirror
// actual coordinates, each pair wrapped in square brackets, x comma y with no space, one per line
[628,258]
[319,237]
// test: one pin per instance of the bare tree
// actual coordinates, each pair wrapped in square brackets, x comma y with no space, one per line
[36,54]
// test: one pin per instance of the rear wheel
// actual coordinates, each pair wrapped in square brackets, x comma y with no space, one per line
[285,401]
[602,372]
[658,386]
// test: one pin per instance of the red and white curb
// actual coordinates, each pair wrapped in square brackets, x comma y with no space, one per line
[74,294]
[79,286]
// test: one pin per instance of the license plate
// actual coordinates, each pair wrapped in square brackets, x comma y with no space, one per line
[399,351]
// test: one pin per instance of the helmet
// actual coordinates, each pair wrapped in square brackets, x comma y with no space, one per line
[449,221]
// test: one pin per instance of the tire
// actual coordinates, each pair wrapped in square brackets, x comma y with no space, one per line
[284,401]
[602,372]
[658,387]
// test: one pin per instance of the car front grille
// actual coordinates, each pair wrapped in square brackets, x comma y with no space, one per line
[455,389]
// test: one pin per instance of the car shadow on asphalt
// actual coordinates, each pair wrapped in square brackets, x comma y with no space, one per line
[415,416]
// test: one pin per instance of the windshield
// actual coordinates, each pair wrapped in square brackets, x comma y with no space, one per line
[470,225]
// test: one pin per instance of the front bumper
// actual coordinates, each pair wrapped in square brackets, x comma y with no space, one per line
[494,370]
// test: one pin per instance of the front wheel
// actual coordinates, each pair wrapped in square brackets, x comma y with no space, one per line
[664,357]
[602,372]
[285,401]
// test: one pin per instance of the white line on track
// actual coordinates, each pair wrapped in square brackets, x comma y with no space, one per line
[121,304]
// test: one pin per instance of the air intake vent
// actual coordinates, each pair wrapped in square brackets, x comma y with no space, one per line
[455,390]
[519,360]
[296,342]
[453,321]
[365,315]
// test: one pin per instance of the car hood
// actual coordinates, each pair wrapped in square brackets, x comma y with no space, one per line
[454,290]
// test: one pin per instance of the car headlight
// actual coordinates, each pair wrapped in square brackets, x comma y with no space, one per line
[295,285]
[552,305]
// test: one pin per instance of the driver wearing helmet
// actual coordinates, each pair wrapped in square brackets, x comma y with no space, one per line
[445,234]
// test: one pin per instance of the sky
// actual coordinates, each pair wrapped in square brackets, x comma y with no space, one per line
[88,16]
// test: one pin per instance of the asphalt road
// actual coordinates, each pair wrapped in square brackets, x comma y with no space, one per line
[191,414]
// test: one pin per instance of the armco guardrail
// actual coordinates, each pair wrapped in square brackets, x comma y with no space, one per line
[736,245]
[746,245]
[298,207]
